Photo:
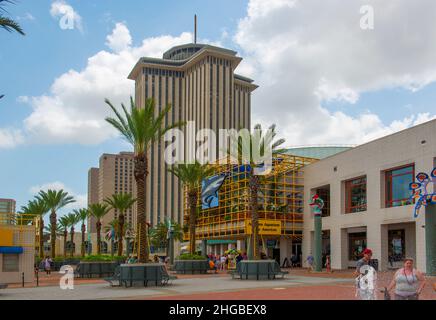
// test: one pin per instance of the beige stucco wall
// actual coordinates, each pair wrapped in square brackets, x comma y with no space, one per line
[371,159]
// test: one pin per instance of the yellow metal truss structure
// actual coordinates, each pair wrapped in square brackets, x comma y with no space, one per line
[280,198]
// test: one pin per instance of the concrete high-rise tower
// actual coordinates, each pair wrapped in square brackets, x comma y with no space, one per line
[200,83]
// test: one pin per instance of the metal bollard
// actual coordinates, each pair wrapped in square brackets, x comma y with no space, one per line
[37,278]
[22,278]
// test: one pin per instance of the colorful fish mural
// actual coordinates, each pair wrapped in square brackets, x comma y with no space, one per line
[420,191]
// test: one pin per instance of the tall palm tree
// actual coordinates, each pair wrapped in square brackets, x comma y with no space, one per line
[54,200]
[73,219]
[64,223]
[159,234]
[262,142]
[7,23]
[98,211]
[191,175]
[83,215]
[37,208]
[121,202]
[141,127]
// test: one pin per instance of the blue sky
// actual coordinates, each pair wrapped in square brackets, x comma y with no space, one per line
[28,66]
[264,35]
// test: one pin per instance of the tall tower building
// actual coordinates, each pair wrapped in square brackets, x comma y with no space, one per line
[114,175]
[200,83]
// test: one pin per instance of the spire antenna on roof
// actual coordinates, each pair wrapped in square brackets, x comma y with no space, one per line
[195,29]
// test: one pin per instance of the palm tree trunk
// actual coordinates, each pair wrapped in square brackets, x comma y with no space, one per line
[140,175]
[72,242]
[41,238]
[192,199]
[120,233]
[254,188]
[82,249]
[98,227]
[53,221]
[65,243]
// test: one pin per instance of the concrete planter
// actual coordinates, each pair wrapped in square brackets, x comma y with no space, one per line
[191,266]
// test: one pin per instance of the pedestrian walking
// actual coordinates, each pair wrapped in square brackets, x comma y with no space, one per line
[408,282]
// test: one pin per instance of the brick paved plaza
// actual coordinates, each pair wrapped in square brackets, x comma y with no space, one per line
[297,285]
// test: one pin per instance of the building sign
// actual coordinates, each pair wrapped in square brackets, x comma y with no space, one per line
[209,191]
[266,227]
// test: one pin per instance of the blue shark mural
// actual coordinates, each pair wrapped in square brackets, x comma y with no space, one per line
[210,187]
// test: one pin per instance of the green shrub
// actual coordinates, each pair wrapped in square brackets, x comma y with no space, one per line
[103,258]
[188,256]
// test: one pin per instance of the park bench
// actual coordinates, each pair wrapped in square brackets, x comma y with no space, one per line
[166,277]
[278,271]
[114,278]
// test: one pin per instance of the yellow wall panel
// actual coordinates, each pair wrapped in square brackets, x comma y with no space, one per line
[6,238]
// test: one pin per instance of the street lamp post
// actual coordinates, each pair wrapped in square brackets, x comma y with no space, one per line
[170,238]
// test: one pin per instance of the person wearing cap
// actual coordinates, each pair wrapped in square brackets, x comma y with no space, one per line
[408,282]
[366,260]
[366,277]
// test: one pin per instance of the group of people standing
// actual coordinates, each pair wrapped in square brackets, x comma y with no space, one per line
[222,262]
[406,284]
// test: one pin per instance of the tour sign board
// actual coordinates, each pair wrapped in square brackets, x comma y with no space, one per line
[266,227]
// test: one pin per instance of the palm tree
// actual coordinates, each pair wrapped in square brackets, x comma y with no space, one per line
[54,200]
[259,141]
[121,202]
[191,175]
[73,219]
[64,223]
[37,208]
[141,128]
[82,215]
[7,23]
[98,211]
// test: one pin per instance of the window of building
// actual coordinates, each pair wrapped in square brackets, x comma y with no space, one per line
[355,195]
[10,263]
[356,245]
[397,186]
[397,242]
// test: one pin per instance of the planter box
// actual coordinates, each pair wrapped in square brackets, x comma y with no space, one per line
[191,266]
[89,269]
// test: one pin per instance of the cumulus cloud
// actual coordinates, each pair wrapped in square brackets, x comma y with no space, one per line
[81,199]
[303,53]
[69,18]
[74,110]
[10,138]
[119,39]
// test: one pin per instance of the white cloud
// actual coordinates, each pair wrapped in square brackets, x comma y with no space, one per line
[67,15]
[120,38]
[10,138]
[74,110]
[27,16]
[81,199]
[302,53]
